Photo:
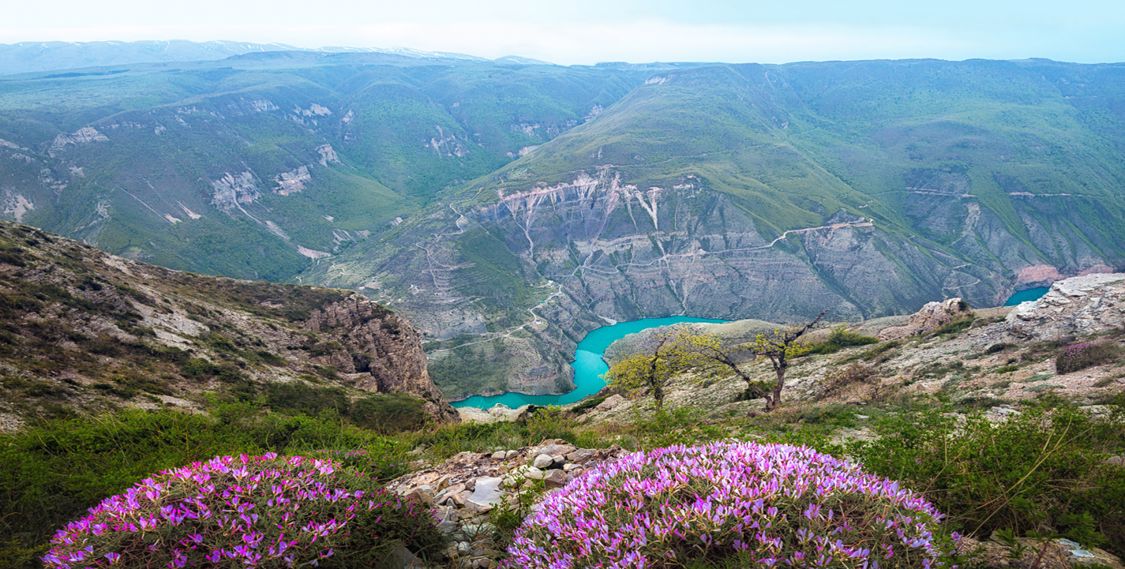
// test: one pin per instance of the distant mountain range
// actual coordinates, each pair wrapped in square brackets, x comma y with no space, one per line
[30,57]
[34,57]
[506,207]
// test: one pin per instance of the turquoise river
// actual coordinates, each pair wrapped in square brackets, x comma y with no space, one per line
[588,364]
[1026,295]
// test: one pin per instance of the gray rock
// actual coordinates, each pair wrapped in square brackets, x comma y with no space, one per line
[610,402]
[449,493]
[1078,306]
[581,455]
[486,492]
[402,557]
[930,317]
[533,473]
[556,478]
[553,448]
[483,528]
[542,461]
[425,493]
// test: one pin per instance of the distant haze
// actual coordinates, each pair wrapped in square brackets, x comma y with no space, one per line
[586,31]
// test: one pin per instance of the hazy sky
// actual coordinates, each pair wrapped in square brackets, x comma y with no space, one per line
[587,31]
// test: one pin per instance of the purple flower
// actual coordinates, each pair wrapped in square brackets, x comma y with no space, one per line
[256,511]
[774,504]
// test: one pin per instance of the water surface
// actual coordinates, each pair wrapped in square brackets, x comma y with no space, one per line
[589,365]
[1026,295]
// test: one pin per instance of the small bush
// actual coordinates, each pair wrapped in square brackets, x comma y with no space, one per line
[837,380]
[264,511]
[1041,472]
[589,403]
[709,505]
[841,338]
[309,399]
[389,412]
[1082,355]
[954,327]
[878,353]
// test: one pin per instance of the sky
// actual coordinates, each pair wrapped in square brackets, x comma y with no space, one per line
[589,31]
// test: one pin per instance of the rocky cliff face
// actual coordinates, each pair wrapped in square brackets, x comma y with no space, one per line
[83,331]
[382,352]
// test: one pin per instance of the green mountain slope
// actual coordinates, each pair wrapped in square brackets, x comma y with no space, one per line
[259,164]
[30,57]
[768,191]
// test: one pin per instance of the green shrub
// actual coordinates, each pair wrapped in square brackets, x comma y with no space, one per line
[389,412]
[878,353]
[296,396]
[52,472]
[841,338]
[589,403]
[954,327]
[303,511]
[840,378]
[1082,355]
[199,368]
[1044,471]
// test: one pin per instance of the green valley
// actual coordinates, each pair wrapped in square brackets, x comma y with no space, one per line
[508,207]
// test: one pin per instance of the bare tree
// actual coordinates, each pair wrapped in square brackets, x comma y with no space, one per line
[649,370]
[780,347]
[709,352]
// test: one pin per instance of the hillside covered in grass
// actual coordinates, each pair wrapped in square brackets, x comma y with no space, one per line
[83,332]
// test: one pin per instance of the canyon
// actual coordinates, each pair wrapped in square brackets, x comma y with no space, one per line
[507,208]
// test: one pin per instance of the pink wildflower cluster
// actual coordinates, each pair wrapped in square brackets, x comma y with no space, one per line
[1081,355]
[762,505]
[261,511]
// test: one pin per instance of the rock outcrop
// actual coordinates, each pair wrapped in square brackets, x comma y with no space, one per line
[1030,553]
[1077,306]
[932,316]
[381,350]
[465,489]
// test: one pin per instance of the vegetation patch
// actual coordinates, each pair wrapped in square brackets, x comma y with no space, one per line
[738,503]
[1082,355]
[261,511]
[1044,471]
[841,338]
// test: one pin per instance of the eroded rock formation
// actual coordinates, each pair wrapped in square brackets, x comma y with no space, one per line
[382,352]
